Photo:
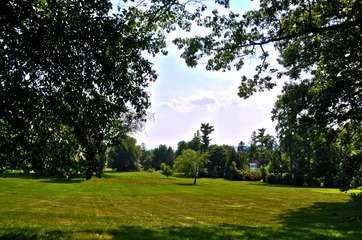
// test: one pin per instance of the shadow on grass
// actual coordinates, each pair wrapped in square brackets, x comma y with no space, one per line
[43,179]
[280,185]
[33,234]
[186,184]
[62,180]
[20,175]
[266,184]
[321,221]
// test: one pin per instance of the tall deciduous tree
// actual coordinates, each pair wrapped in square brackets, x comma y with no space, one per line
[162,154]
[80,66]
[319,43]
[189,162]
[216,161]
[125,156]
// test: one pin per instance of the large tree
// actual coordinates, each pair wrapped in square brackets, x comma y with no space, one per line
[316,152]
[319,43]
[216,161]
[162,154]
[125,156]
[75,73]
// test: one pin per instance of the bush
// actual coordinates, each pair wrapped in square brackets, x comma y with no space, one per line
[4,172]
[233,173]
[356,197]
[251,175]
[263,172]
[166,169]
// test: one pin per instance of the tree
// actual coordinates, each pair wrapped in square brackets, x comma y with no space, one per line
[206,129]
[88,75]
[234,163]
[295,27]
[262,146]
[314,150]
[195,143]
[146,157]
[285,112]
[182,145]
[166,169]
[125,156]
[189,162]
[216,161]
[162,154]
[349,145]
[319,46]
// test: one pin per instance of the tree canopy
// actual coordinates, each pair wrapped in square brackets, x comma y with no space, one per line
[189,162]
[73,76]
[125,156]
[320,52]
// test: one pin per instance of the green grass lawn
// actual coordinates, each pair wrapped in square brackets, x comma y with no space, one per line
[149,206]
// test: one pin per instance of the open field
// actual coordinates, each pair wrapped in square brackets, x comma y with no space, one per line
[149,206]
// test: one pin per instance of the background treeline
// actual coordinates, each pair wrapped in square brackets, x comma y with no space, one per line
[301,156]
[314,157]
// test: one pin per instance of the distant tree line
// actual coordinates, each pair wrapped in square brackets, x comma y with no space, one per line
[316,161]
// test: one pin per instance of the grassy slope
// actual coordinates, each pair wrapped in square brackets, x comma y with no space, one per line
[149,206]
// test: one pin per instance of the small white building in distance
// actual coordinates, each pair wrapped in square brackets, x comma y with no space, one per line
[253,166]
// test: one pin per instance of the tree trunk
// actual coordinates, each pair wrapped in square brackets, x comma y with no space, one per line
[91,162]
[291,160]
[195,177]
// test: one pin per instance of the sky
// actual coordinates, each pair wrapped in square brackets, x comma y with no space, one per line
[182,98]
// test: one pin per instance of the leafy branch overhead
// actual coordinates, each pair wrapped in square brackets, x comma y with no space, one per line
[320,52]
[303,31]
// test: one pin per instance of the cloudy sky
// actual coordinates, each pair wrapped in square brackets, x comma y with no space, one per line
[182,98]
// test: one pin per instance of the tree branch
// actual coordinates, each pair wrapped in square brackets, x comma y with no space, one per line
[312,30]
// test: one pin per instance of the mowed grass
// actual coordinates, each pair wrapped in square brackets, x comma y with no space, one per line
[149,206]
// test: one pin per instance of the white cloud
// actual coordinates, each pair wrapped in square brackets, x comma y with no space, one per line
[200,100]
[234,118]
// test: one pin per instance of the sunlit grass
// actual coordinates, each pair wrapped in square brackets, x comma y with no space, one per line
[150,206]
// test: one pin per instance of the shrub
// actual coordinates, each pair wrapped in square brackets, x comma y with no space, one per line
[4,172]
[263,172]
[166,169]
[356,197]
[233,173]
[251,175]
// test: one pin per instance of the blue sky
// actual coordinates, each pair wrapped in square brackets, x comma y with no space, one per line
[182,98]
